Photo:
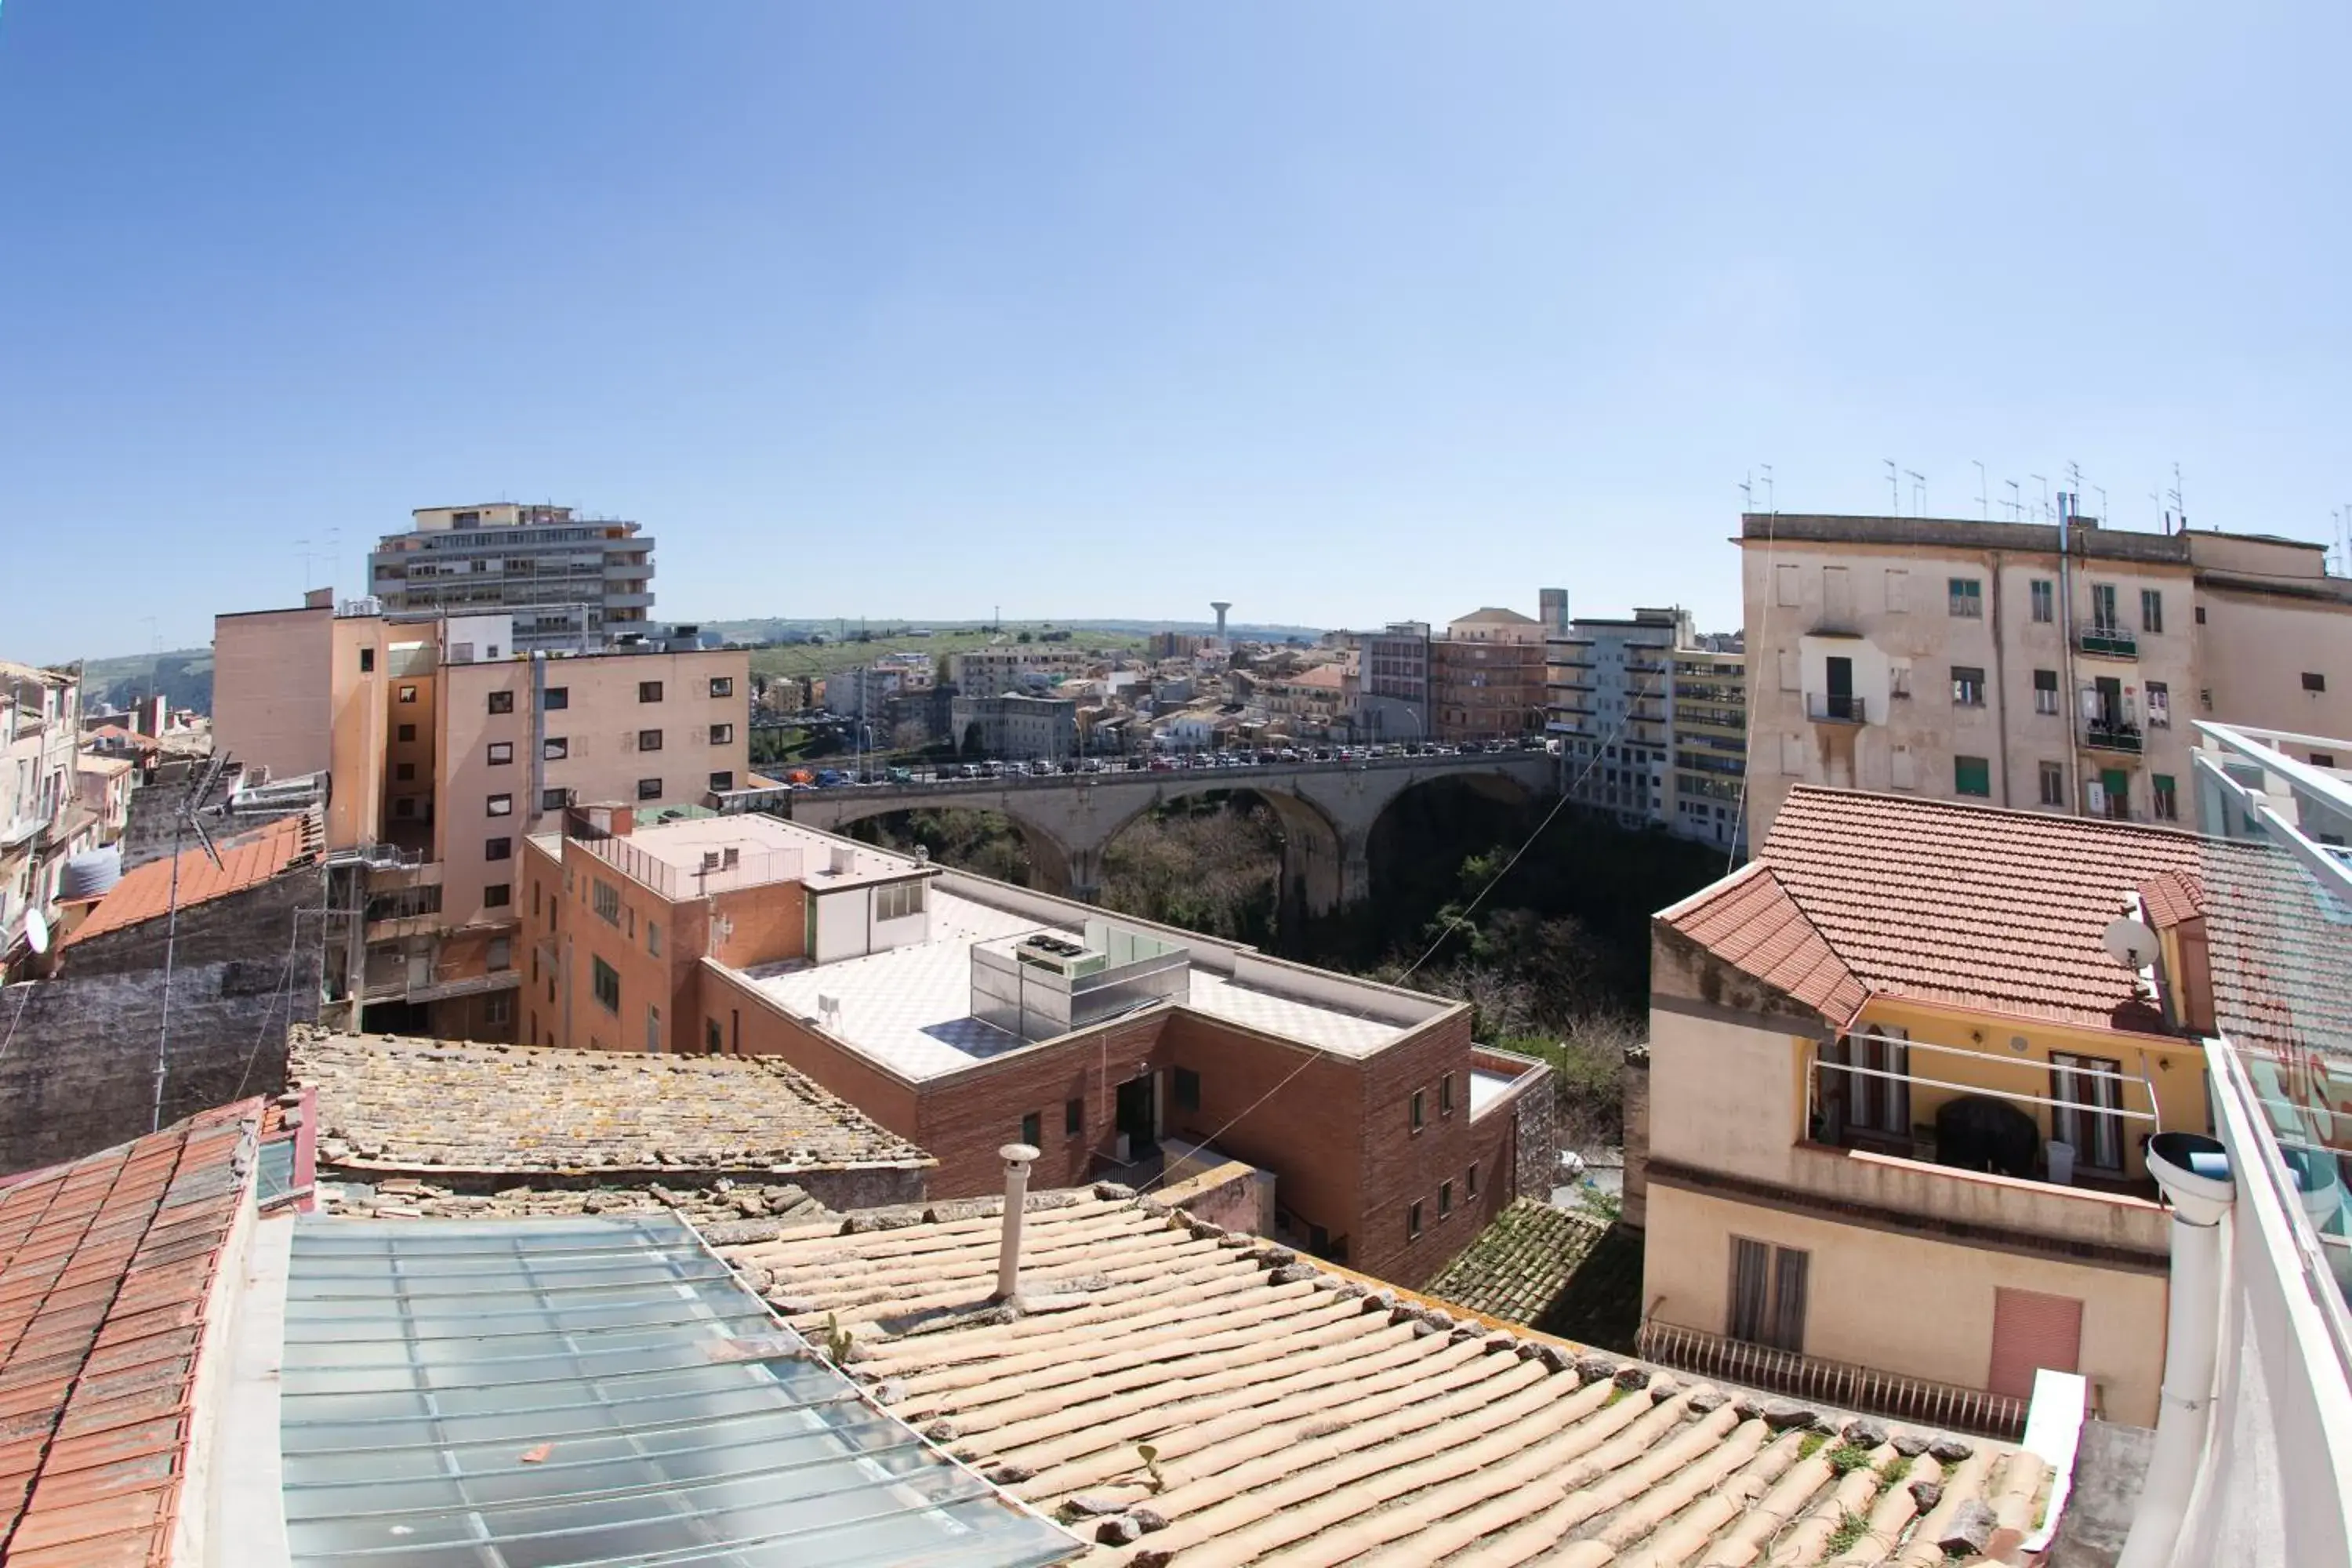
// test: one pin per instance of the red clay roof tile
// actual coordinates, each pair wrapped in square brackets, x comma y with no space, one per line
[246,861]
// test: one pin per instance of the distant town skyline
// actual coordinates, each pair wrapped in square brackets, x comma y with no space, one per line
[1352,312]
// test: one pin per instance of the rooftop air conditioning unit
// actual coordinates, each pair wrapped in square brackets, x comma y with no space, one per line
[1059,955]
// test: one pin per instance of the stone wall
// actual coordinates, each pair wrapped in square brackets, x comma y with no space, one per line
[1536,1170]
[1636,1080]
[77,1073]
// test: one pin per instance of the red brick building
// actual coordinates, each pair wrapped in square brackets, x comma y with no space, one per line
[964,1014]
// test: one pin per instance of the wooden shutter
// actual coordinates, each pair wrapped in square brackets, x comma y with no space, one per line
[2032,1330]
[1751,1268]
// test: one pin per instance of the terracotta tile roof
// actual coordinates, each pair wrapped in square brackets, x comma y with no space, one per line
[1558,1273]
[1750,921]
[2172,897]
[106,1269]
[1304,1416]
[2279,949]
[394,1104]
[1971,906]
[246,861]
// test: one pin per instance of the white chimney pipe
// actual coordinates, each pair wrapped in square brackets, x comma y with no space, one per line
[2200,1201]
[1017,1158]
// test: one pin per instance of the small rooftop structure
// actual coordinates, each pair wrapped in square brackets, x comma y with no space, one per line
[695,855]
[1188,1394]
[246,861]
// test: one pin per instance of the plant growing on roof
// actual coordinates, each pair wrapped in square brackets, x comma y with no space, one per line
[1151,1457]
[1849,1457]
[838,1340]
[1852,1527]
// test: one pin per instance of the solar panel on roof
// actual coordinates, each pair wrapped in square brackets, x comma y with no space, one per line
[557,1394]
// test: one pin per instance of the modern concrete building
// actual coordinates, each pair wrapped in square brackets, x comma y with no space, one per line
[1652,719]
[964,1014]
[2049,667]
[444,747]
[1014,667]
[571,584]
[1014,728]
[1486,677]
[1393,699]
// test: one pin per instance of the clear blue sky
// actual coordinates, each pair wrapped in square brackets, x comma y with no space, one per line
[1343,312]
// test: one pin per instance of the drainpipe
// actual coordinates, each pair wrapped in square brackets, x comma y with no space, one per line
[1017,1158]
[2194,1172]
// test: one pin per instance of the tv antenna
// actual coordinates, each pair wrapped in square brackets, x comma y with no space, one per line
[1894,486]
[302,547]
[1768,505]
[1746,495]
[1919,491]
[2015,503]
[2074,481]
[2044,480]
[1984,503]
[2179,507]
[184,820]
[2103,502]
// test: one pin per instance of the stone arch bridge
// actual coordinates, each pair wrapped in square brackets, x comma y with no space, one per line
[1066,820]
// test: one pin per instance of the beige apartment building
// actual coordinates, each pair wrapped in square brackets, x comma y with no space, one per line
[444,749]
[1651,718]
[572,583]
[2044,667]
[1486,677]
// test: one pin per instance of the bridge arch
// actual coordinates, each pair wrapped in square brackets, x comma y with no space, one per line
[1051,860]
[1314,845]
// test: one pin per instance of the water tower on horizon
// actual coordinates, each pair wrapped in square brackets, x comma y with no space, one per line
[1221,607]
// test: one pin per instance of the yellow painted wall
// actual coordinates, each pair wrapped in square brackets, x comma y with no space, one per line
[1904,1304]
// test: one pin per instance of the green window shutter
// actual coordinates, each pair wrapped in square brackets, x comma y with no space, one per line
[1973,775]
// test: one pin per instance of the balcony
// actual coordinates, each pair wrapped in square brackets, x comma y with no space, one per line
[2101,736]
[1834,708]
[2107,642]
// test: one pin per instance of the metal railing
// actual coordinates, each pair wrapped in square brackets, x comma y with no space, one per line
[1835,707]
[2104,737]
[1834,1383]
[2108,642]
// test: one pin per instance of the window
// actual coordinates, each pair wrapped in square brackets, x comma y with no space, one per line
[367,661]
[1789,585]
[722,734]
[1445,1095]
[497,849]
[1412,1223]
[649,789]
[405,732]
[497,1008]
[2314,681]
[2089,1089]
[1444,1199]
[501,701]
[501,753]
[1032,1130]
[897,900]
[653,1030]
[649,690]
[501,953]
[403,773]
[1471,1186]
[2045,600]
[408,694]
[724,779]
[1767,1294]
[1898,590]
[1968,598]
[1417,1097]
[2201,614]
[713,1041]
[650,739]
[501,806]
[1185,1085]
[1861,1099]
[2103,607]
[404,806]
[554,799]
[1968,686]
[606,982]
[498,895]
[1074,1117]
[2159,705]
[2151,610]
[2053,784]
[555,747]
[2163,802]
[722,685]
[2323,759]
[554,697]
[1971,776]
[606,899]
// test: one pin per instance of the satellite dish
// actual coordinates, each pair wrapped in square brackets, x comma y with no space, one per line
[36,932]
[2130,942]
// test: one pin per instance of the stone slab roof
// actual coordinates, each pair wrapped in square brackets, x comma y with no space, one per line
[1559,1273]
[107,1269]
[1185,1395]
[397,1105]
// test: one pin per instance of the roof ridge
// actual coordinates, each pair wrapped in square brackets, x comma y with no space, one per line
[2066,821]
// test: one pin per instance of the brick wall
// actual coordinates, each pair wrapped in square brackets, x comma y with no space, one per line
[965,1118]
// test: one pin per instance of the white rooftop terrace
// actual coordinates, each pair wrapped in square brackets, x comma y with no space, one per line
[699,855]
[909,1009]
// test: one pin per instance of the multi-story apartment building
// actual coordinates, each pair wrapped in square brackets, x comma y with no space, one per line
[1895,1048]
[1392,682]
[1013,727]
[42,822]
[1486,677]
[864,692]
[2046,667]
[444,747]
[1016,667]
[965,1013]
[1652,719]
[571,584]
[1308,703]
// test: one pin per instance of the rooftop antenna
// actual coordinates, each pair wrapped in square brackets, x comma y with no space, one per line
[2016,505]
[303,547]
[1919,491]
[2074,479]
[2103,502]
[1768,505]
[2045,511]
[1984,503]
[2179,507]
[1894,486]
[334,556]
[184,821]
[1746,495]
